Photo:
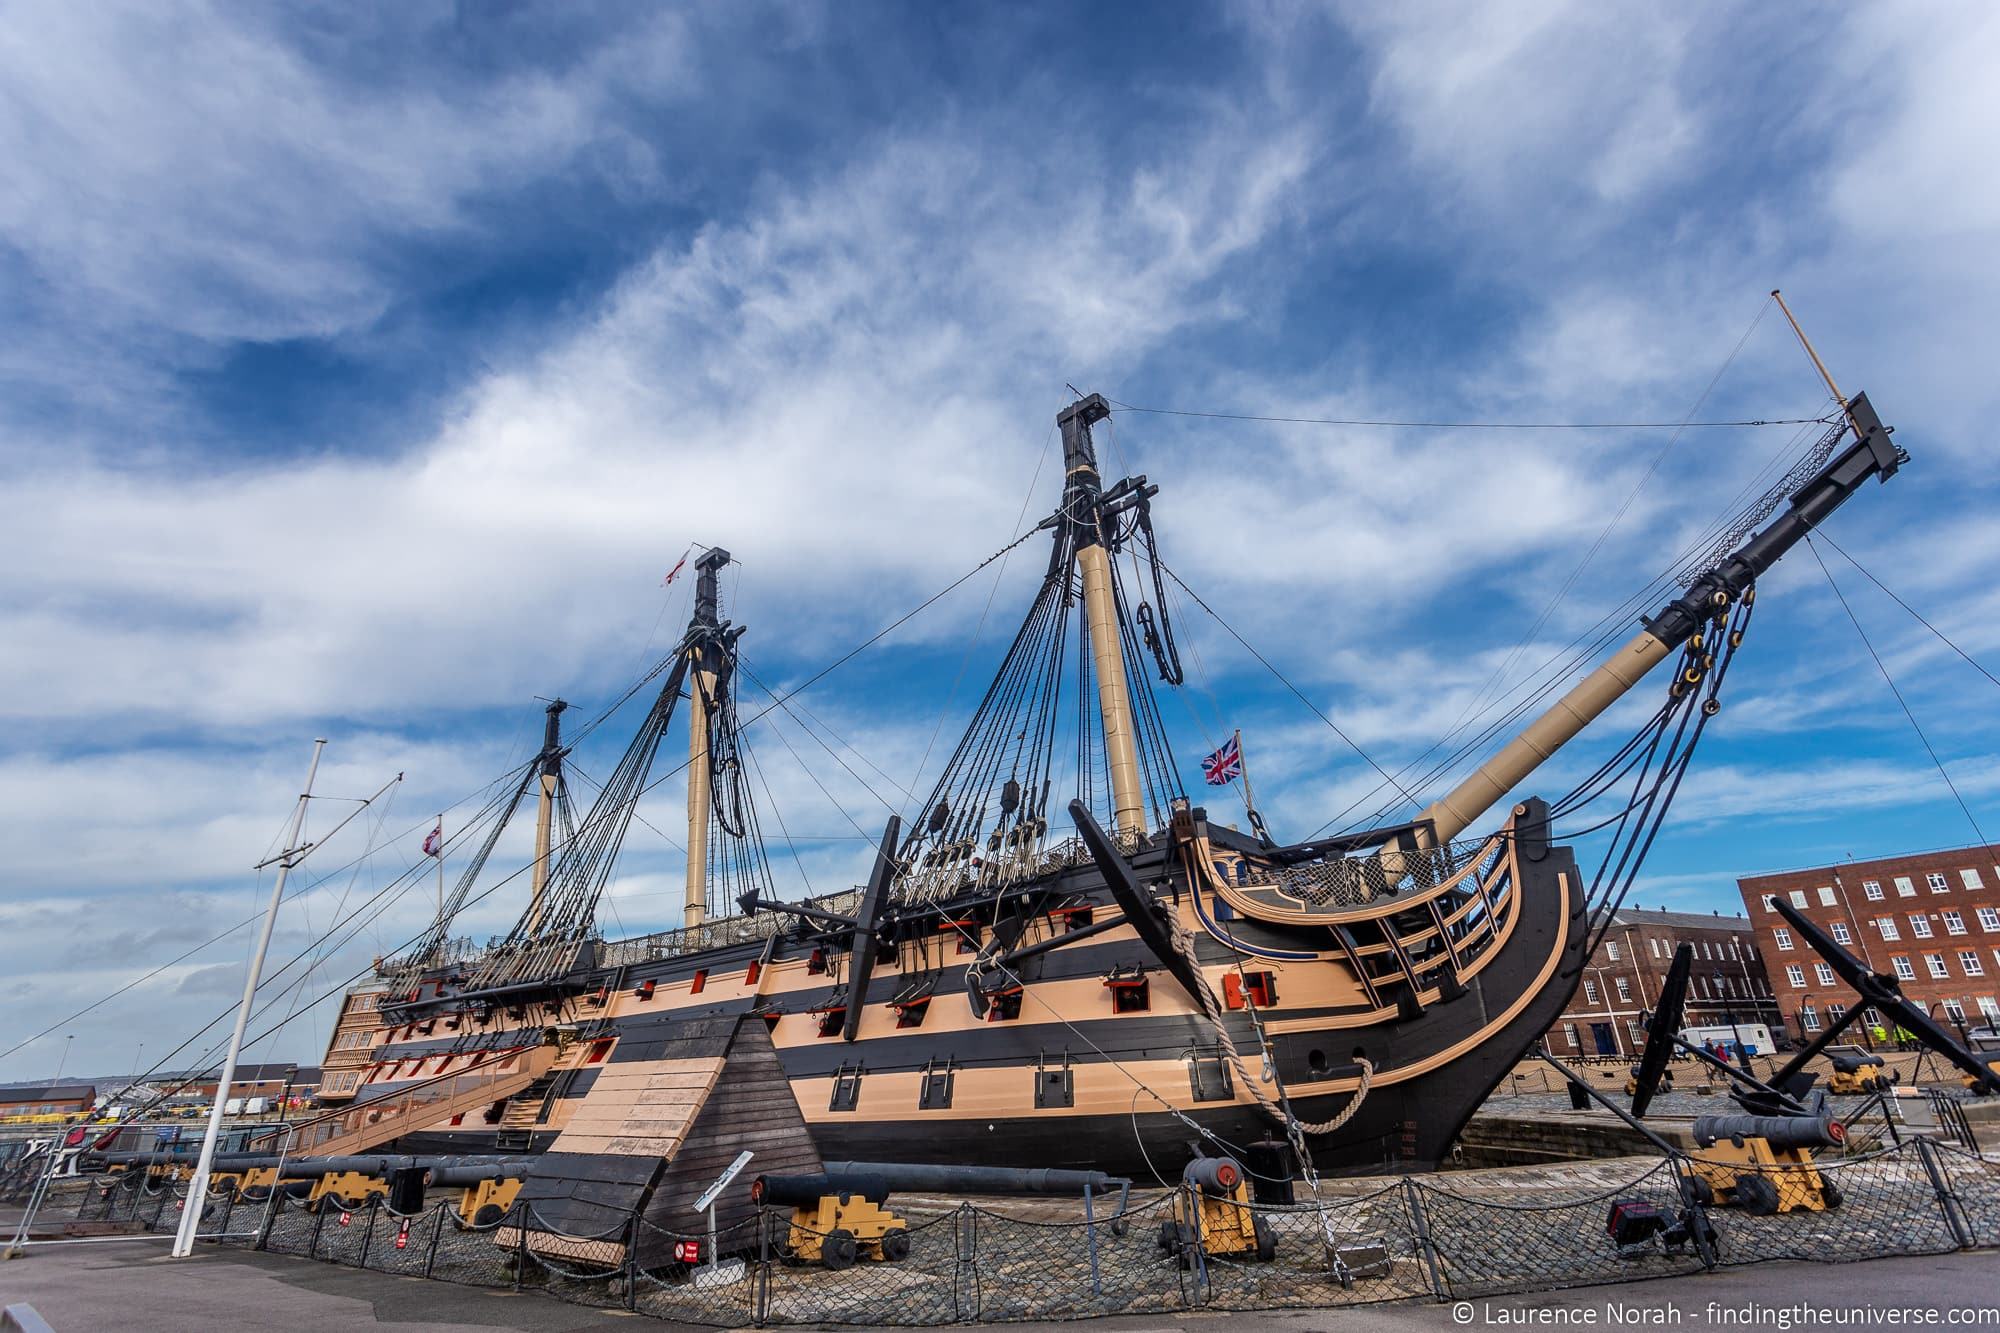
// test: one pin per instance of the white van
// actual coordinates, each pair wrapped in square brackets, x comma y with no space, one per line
[1755,1037]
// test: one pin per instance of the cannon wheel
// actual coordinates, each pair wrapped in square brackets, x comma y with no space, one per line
[1830,1193]
[1700,1191]
[896,1244]
[1170,1239]
[1756,1195]
[837,1251]
[487,1214]
[1267,1240]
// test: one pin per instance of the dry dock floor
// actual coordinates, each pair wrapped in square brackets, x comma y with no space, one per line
[115,1287]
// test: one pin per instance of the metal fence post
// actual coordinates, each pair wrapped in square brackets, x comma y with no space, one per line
[368,1232]
[632,1262]
[965,1239]
[1090,1233]
[1948,1201]
[760,1286]
[520,1242]
[319,1225]
[1421,1228]
[437,1235]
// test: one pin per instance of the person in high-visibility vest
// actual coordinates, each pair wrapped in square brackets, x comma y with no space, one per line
[1879,1034]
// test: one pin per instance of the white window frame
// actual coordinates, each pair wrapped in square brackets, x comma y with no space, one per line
[1841,934]
[1887,925]
[1905,971]
[1970,878]
[1795,975]
[1871,889]
[1939,970]
[1905,887]
[1589,992]
[1937,882]
[1624,989]
[1920,926]
[1989,918]
[1824,973]
[1808,1018]
[1968,963]
[1611,950]
[1954,922]
[1798,897]
[1784,938]
[1826,895]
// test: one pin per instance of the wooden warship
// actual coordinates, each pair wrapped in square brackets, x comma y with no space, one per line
[997,993]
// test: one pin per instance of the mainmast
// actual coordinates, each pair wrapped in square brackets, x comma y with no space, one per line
[550,763]
[1080,509]
[705,665]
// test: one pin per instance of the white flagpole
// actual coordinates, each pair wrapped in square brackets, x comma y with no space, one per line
[440,857]
[1243,764]
[198,1185]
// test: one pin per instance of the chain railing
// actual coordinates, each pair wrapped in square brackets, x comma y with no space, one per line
[1421,1238]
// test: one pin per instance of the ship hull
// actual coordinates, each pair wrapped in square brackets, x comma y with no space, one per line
[1066,1077]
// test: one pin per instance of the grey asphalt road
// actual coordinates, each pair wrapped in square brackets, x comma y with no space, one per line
[102,1288]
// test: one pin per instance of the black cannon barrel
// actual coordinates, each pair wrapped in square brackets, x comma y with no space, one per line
[223,1161]
[1852,1062]
[904,1176]
[300,1168]
[460,1174]
[804,1191]
[1783,1131]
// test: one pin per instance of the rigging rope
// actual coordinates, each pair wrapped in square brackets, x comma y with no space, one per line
[1471,425]
[1891,680]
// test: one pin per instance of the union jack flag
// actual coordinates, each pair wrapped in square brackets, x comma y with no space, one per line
[434,841]
[1225,765]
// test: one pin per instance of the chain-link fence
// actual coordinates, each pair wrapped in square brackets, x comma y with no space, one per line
[1436,1237]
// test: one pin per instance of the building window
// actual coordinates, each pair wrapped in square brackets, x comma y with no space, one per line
[1920,925]
[1935,962]
[1904,888]
[1887,925]
[1954,1011]
[1826,895]
[1989,918]
[1809,1018]
[1903,969]
[1938,883]
[1770,902]
[1795,976]
[1968,962]
[1589,991]
[1970,878]
[1841,934]
[1824,973]
[1624,990]
[1611,950]
[1954,924]
[1655,944]
[1799,899]
[1988,1010]
[1784,938]
[1569,1035]
[1734,952]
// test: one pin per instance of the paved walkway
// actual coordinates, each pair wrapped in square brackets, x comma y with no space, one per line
[93,1288]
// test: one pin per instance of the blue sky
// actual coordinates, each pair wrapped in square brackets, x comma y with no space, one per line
[368,366]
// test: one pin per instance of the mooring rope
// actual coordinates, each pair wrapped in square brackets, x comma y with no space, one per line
[1205,996]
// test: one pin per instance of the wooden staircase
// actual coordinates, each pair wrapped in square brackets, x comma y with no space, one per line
[361,1128]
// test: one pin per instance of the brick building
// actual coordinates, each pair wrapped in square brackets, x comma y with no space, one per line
[1622,980]
[47,1099]
[1931,919]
